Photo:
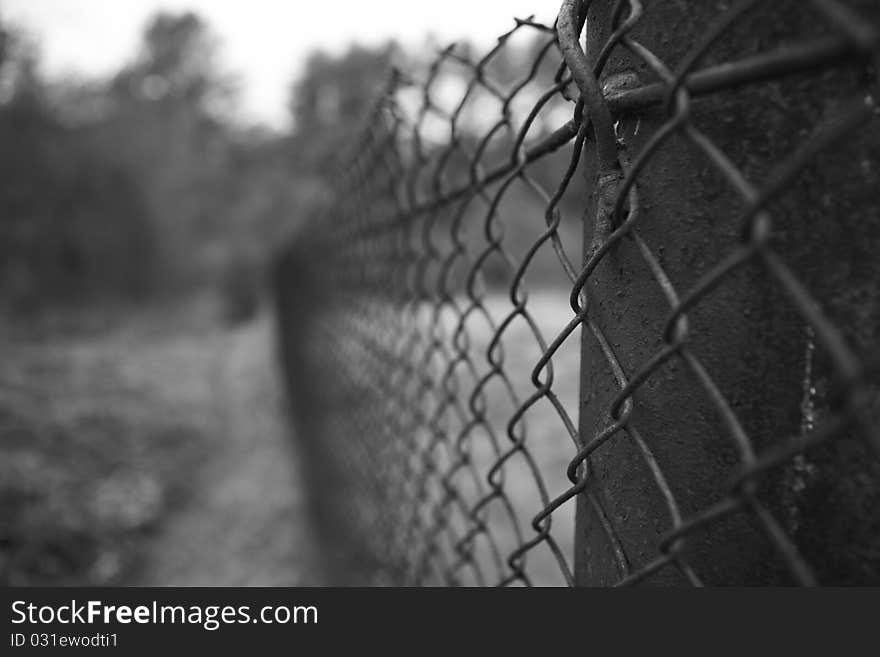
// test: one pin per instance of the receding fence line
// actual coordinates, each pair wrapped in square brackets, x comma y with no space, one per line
[498,320]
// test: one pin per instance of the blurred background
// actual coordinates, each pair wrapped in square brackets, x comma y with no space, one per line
[155,155]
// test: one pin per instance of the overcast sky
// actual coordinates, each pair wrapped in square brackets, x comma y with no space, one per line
[264,42]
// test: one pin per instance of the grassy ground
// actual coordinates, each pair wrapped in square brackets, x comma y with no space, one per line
[148,451]
[155,451]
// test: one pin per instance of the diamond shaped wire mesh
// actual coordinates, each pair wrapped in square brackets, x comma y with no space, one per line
[511,275]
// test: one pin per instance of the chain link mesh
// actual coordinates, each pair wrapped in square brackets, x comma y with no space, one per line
[451,324]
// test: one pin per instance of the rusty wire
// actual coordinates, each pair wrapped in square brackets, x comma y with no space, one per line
[426,409]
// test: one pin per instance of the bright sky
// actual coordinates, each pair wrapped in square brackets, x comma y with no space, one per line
[264,42]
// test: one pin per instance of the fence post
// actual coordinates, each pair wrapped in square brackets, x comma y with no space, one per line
[755,347]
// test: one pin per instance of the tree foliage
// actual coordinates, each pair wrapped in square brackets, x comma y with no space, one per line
[143,184]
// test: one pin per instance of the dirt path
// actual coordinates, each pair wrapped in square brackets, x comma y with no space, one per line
[244,524]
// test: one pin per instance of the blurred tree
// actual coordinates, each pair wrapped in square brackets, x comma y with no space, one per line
[176,66]
[167,128]
[117,186]
[329,101]
[69,222]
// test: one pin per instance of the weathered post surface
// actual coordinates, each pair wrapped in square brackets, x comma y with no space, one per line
[765,360]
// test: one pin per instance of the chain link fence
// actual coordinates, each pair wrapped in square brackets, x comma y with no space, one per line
[601,306]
